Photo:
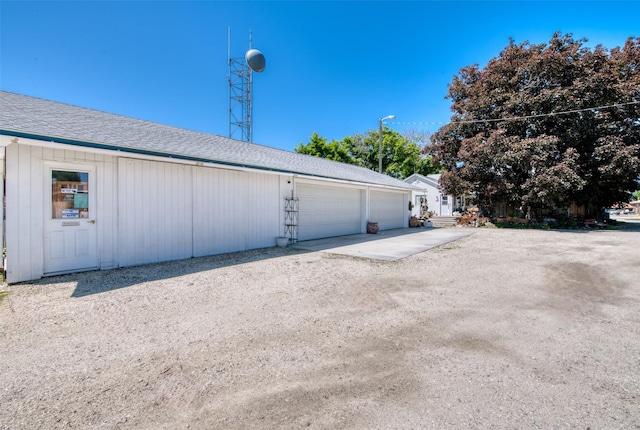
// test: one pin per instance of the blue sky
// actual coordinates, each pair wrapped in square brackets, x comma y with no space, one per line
[332,67]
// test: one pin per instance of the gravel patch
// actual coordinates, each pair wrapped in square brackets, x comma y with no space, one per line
[503,328]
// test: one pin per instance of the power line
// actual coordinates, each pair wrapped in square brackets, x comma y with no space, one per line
[517,118]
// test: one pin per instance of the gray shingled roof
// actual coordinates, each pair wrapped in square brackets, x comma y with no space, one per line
[432,180]
[22,115]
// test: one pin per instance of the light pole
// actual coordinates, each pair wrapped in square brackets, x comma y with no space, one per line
[380,133]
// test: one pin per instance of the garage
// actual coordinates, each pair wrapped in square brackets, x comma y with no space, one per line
[389,209]
[327,211]
[87,190]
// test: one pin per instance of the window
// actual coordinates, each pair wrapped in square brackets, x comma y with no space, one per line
[69,194]
[445,200]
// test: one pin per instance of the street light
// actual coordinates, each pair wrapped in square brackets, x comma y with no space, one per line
[380,133]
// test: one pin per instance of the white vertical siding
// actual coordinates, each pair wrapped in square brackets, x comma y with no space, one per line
[216,215]
[262,208]
[2,158]
[107,211]
[170,211]
[234,211]
[364,210]
[25,197]
[155,211]
[202,212]
[25,230]
[286,190]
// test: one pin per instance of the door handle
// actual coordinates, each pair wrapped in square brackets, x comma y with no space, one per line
[92,221]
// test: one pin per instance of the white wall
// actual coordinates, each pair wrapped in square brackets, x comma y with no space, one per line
[154,211]
[25,194]
[173,211]
[2,158]
[147,211]
[234,210]
[434,197]
[150,211]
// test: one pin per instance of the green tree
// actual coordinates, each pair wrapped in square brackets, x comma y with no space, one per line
[400,157]
[524,130]
[319,147]
[396,154]
[422,138]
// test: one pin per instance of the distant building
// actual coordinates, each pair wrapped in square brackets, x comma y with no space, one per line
[430,199]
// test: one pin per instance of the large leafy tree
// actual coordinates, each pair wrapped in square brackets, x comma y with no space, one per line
[319,147]
[530,128]
[401,156]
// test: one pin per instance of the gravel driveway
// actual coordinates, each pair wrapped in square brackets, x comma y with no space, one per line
[501,329]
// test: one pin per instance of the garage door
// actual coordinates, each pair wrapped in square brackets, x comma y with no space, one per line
[327,211]
[388,209]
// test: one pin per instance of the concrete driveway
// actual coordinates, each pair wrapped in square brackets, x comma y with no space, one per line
[388,245]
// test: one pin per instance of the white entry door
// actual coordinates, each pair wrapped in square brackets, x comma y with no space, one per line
[70,234]
[445,206]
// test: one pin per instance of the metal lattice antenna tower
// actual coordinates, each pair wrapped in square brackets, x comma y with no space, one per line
[241,90]
[239,99]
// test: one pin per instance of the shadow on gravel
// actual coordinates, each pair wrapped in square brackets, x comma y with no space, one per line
[102,281]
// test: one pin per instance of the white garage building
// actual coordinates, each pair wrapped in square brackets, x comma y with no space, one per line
[91,190]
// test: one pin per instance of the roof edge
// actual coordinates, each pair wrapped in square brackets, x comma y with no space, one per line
[95,145]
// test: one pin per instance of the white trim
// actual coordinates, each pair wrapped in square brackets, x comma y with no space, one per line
[126,154]
[6,140]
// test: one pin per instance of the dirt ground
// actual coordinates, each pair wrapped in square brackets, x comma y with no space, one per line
[501,329]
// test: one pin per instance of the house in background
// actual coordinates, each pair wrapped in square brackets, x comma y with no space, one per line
[90,190]
[430,198]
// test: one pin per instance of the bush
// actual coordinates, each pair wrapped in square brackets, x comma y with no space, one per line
[550,225]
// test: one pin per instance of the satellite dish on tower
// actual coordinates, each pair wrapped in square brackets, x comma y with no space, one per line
[255,59]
